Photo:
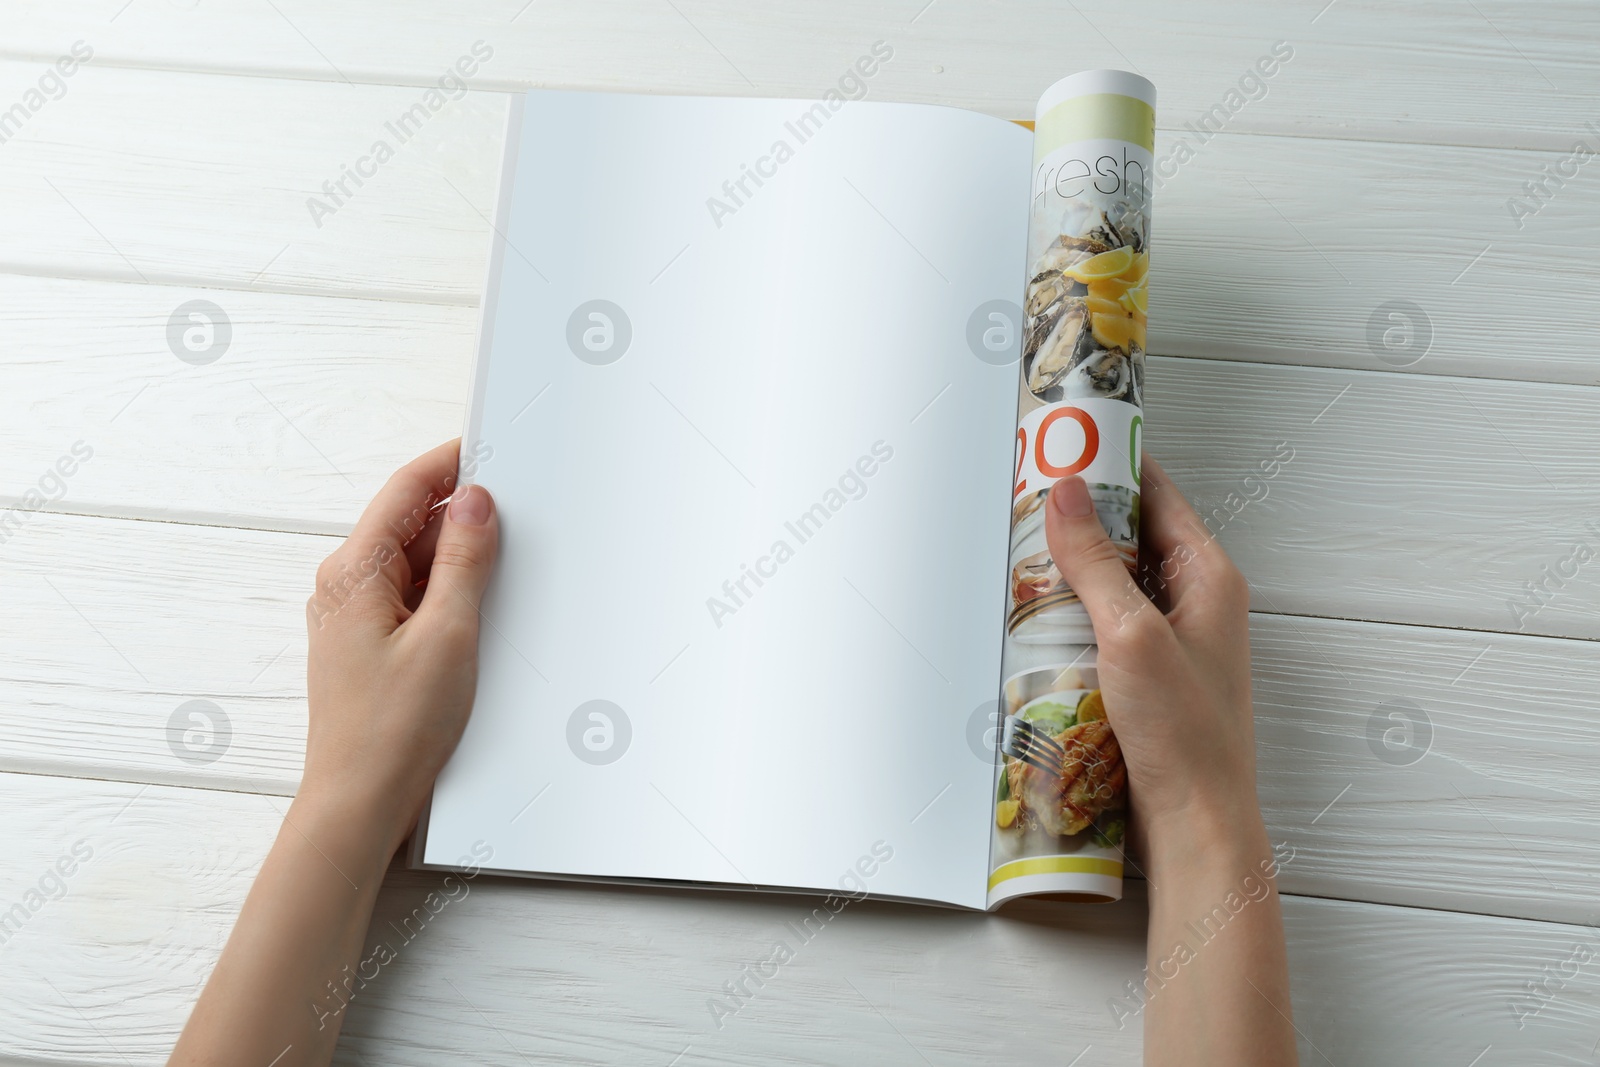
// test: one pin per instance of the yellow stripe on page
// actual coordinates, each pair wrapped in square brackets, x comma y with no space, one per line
[1055,865]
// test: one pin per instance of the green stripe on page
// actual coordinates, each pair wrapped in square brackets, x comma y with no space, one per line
[1055,865]
[1111,116]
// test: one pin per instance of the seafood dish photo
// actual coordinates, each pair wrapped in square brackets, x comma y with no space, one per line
[1063,771]
[1086,308]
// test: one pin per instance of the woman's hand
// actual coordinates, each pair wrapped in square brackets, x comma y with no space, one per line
[1175,675]
[393,628]
[393,666]
[1176,684]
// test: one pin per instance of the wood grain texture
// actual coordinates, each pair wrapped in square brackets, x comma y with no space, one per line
[1402,985]
[1425,760]
[1491,803]
[1377,257]
[314,402]
[522,972]
[116,624]
[1268,250]
[518,972]
[1409,498]
[1493,73]
[204,181]
[1430,768]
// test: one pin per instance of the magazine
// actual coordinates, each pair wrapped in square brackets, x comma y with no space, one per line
[757,384]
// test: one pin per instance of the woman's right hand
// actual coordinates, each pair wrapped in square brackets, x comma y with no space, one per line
[1176,684]
[1175,676]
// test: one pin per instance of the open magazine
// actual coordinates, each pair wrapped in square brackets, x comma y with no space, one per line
[757,385]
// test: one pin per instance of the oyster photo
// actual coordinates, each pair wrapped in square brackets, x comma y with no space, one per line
[1085,312]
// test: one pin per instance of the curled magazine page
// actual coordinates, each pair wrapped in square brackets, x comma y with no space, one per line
[1060,806]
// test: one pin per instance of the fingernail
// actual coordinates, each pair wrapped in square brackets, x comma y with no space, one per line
[1070,498]
[470,506]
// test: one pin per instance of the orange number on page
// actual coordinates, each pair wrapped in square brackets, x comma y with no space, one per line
[1091,443]
[1022,454]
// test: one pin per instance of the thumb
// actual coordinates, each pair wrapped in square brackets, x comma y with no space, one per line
[1091,564]
[462,559]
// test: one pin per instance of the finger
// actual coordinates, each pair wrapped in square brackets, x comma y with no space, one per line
[1194,571]
[1175,522]
[1094,569]
[398,514]
[462,560]
[419,555]
[1171,530]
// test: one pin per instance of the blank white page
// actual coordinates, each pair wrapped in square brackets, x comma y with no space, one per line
[775,353]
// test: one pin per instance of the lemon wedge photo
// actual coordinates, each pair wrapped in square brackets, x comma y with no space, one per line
[1117,331]
[1105,265]
[1005,813]
[1103,305]
[1110,288]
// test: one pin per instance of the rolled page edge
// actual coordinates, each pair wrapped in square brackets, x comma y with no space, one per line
[1085,82]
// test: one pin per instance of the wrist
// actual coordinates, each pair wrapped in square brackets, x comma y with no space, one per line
[1224,838]
[352,821]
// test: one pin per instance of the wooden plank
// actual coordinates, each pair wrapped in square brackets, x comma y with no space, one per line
[1404,985]
[295,425]
[152,177]
[553,968]
[522,972]
[1380,257]
[1272,251]
[1432,768]
[1403,498]
[116,625]
[1493,73]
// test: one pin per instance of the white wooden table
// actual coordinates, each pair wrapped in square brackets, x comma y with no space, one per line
[1443,873]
